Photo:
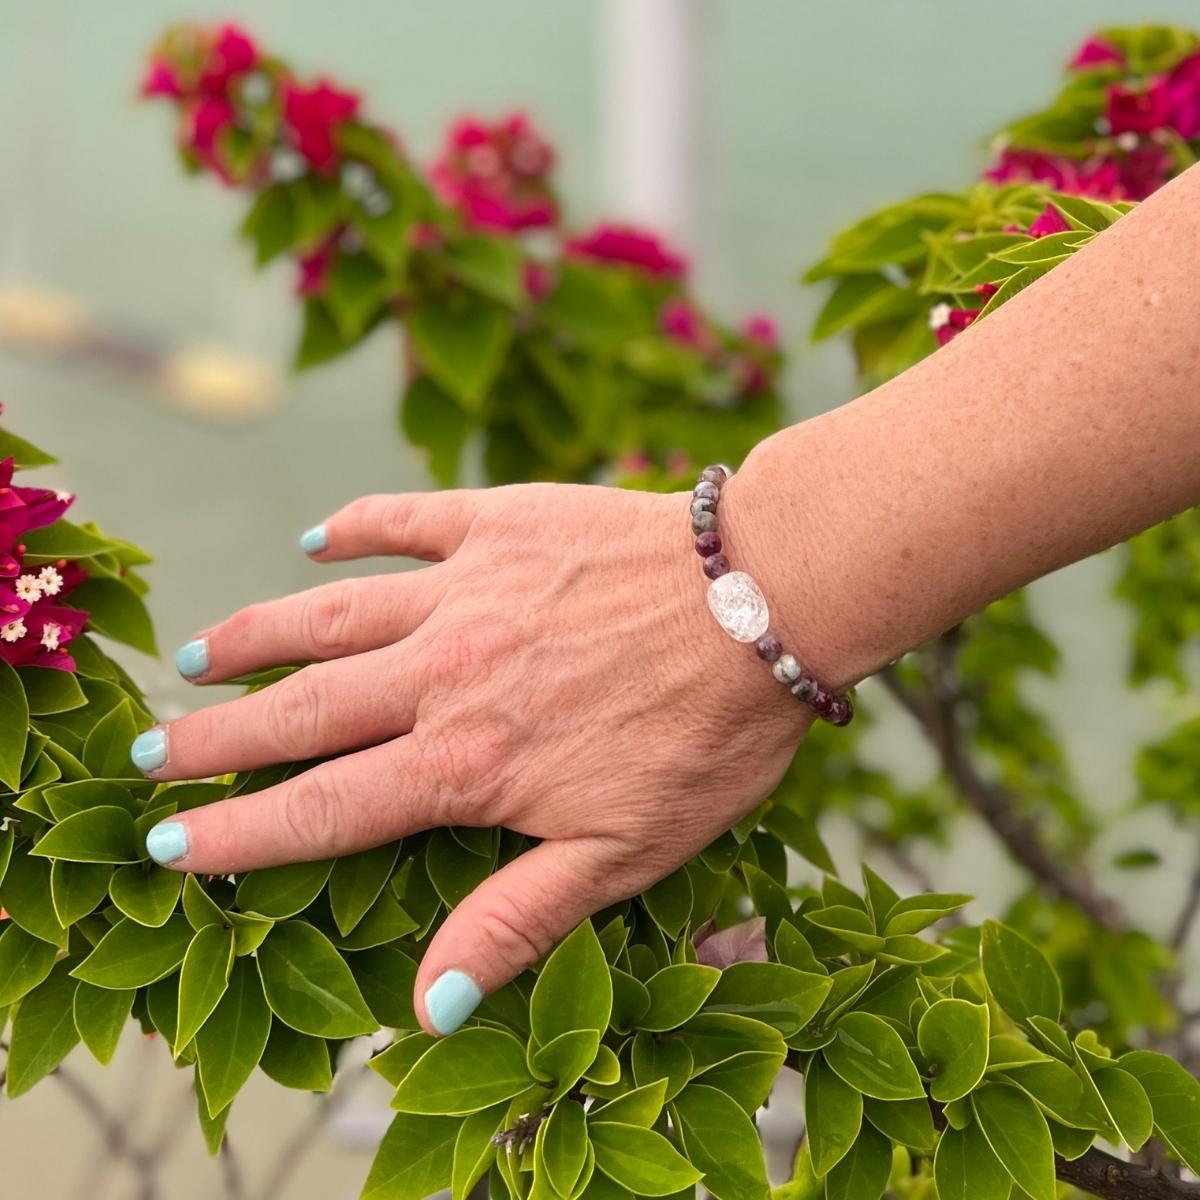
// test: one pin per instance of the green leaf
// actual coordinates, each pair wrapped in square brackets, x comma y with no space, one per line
[24,962]
[43,1031]
[850,925]
[473,1149]
[64,540]
[871,1056]
[1019,975]
[1061,1091]
[1019,1137]
[25,895]
[356,289]
[862,1174]
[14,727]
[23,453]
[212,1128]
[564,1060]
[722,1142]
[641,1106]
[96,835]
[296,1060]
[953,1037]
[574,989]
[202,980]
[914,913]
[859,300]
[1127,1104]
[356,881]
[106,750]
[965,1168]
[308,984]
[563,1146]
[436,423]
[800,833]
[469,1070]
[280,892]
[66,799]
[676,994]
[491,266]
[394,1063]
[1175,1098]
[132,955]
[462,350]
[833,1112]
[199,907]
[415,1158]
[640,1159]
[779,996]
[77,889]
[906,1122]
[667,1059]
[117,611]
[669,902]
[386,977]
[146,893]
[232,1040]
[270,223]
[51,691]
[1005,1051]
[100,1014]
[454,870]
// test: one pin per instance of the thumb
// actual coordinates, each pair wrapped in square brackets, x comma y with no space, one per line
[507,923]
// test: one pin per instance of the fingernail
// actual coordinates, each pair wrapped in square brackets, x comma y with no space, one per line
[167,842]
[191,660]
[149,750]
[314,540]
[451,999]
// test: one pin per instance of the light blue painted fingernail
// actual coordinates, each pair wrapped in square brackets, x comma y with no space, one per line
[167,842]
[314,540]
[451,999]
[149,750]
[191,660]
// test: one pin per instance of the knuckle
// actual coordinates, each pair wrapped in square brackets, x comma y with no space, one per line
[310,814]
[467,761]
[515,933]
[292,715]
[328,619]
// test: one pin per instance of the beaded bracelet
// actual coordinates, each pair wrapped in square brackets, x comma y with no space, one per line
[740,607]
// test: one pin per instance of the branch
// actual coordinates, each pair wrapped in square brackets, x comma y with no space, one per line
[1187,914]
[938,719]
[1114,1179]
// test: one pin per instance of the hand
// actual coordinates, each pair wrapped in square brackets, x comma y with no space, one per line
[556,672]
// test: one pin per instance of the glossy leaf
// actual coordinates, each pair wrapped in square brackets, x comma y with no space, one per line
[415,1158]
[469,1070]
[862,1173]
[870,1056]
[833,1114]
[720,1139]
[474,1151]
[1019,1138]
[953,1037]
[563,1146]
[1127,1104]
[100,1014]
[574,989]
[779,996]
[43,1032]
[640,1159]
[132,955]
[966,1168]
[297,1060]
[356,881]
[202,980]
[14,727]
[1019,975]
[96,835]
[147,894]
[905,1122]
[281,892]
[232,1040]
[676,994]
[1174,1095]
[24,962]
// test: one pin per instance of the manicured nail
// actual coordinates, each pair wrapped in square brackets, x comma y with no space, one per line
[149,750]
[191,660]
[314,540]
[167,842]
[453,997]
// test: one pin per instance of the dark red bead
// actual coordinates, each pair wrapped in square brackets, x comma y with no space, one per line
[768,647]
[716,565]
[822,703]
[841,712]
[707,544]
[805,688]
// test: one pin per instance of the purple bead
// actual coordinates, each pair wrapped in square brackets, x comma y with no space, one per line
[769,647]
[822,703]
[708,543]
[704,523]
[716,474]
[805,688]
[841,712]
[706,491]
[716,565]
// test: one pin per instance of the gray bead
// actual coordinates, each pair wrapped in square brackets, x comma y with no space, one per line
[716,475]
[703,504]
[786,669]
[706,491]
[704,522]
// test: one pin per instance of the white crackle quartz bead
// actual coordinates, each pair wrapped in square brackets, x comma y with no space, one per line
[739,606]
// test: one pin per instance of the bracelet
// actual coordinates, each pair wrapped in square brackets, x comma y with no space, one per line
[740,607]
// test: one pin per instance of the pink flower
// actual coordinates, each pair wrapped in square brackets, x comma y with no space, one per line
[495,175]
[204,121]
[680,321]
[232,53]
[161,79]
[1050,221]
[1183,98]
[1144,170]
[313,116]
[986,290]
[537,278]
[1098,178]
[947,323]
[1095,52]
[631,247]
[762,331]
[1137,111]
[315,266]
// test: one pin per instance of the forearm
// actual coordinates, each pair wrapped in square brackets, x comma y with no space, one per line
[1060,425]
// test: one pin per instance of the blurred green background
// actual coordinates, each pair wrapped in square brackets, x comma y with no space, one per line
[813,113]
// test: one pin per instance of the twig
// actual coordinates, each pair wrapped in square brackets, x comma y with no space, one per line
[1186,919]
[1114,1179]
[230,1171]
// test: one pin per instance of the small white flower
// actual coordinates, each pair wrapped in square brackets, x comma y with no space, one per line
[51,581]
[256,88]
[13,631]
[286,165]
[1127,141]
[28,588]
[50,635]
[64,497]
[939,315]
[358,179]
[377,204]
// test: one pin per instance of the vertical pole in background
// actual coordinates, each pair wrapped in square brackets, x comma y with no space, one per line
[653,98]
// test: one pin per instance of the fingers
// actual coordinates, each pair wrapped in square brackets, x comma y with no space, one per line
[509,922]
[324,709]
[339,807]
[331,621]
[426,525]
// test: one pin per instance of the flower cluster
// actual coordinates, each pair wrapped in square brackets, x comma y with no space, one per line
[36,627]
[1136,120]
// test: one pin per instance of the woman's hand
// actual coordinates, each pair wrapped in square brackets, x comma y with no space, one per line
[556,672]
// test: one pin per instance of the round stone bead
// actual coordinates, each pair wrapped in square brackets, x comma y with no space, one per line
[805,688]
[704,522]
[822,703]
[716,565]
[841,711]
[706,491]
[739,606]
[768,647]
[703,504]
[786,669]
[708,543]
[715,474]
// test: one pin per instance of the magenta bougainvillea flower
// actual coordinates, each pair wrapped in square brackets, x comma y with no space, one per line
[680,321]
[496,174]
[232,54]
[314,267]
[1098,178]
[630,246]
[1049,221]
[1096,52]
[1183,98]
[1137,110]
[313,116]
